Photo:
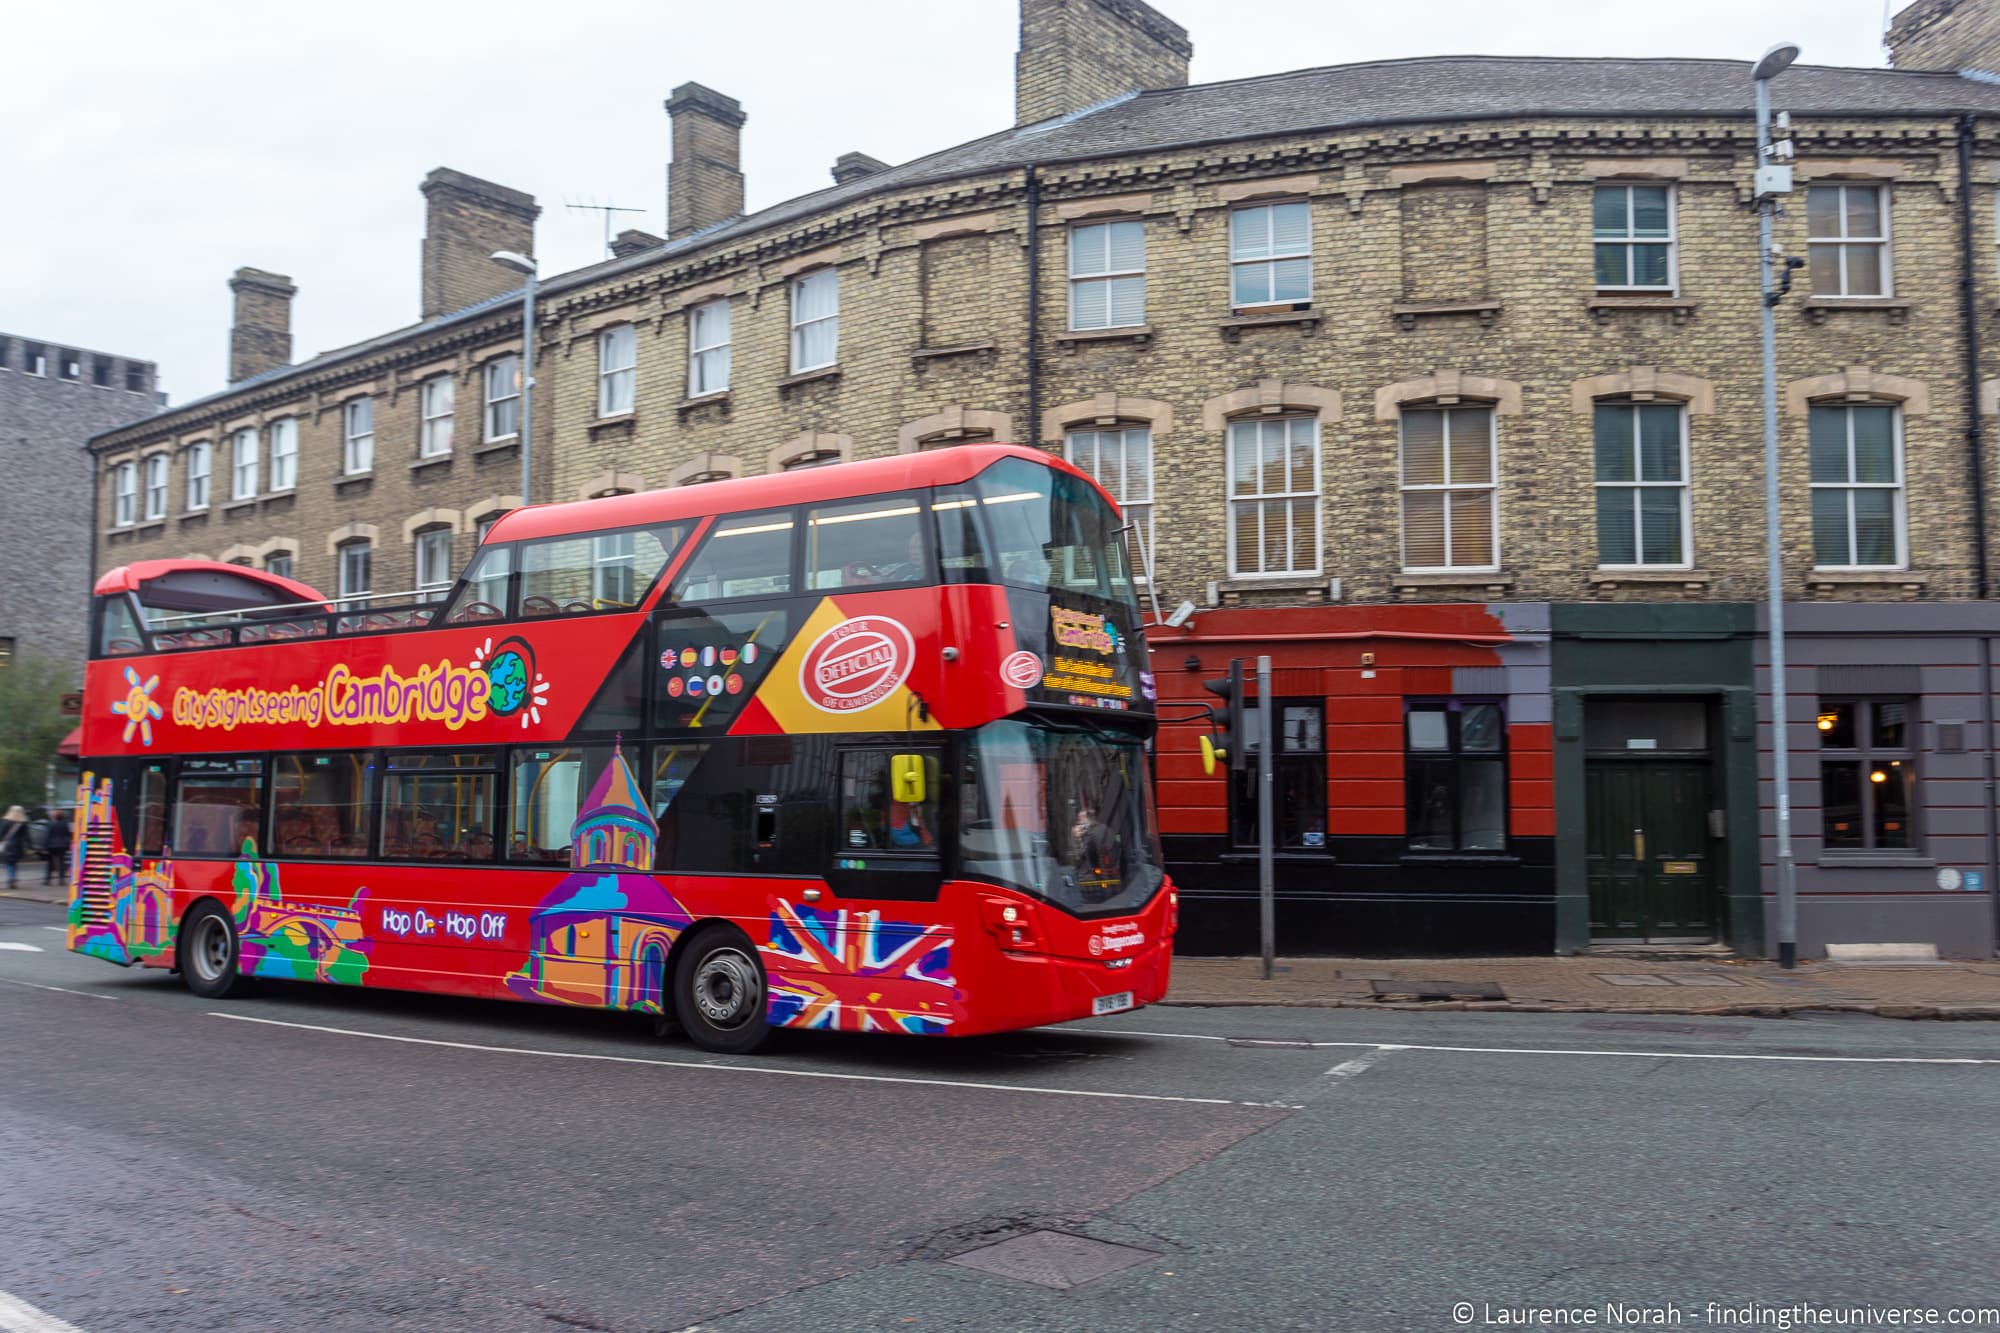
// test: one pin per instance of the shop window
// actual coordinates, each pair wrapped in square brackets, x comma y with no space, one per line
[1867,774]
[1456,775]
[1298,779]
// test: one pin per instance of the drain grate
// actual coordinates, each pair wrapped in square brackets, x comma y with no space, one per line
[1052,1259]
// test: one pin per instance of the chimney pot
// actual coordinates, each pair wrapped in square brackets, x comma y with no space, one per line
[465,220]
[705,175]
[853,166]
[260,338]
[1077,53]
[1950,35]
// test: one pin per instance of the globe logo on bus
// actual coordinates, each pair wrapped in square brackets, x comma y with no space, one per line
[510,669]
[856,664]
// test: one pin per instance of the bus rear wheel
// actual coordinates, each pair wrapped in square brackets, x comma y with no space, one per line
[210,953]
[719,992]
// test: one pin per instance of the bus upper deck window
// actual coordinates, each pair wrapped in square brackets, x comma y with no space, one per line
[876,540]
[961,547]
[118,631]
[599,571]
[484,596]
[746,556]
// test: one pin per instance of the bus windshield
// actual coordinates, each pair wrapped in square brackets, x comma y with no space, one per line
[1037,527]
[1065,815]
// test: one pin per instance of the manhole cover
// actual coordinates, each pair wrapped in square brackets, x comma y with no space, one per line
[1052,1259]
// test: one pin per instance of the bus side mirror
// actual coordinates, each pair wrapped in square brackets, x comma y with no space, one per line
[906,778]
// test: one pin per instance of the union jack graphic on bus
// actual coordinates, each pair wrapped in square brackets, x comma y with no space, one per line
[856,972]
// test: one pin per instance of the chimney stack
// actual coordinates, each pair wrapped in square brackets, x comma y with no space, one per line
[261,337]
[1077,53]
[705,177]
[465,220]
[853,166]
[631,241]
[1950,35]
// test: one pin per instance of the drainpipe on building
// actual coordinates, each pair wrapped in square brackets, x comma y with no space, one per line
[1034,308]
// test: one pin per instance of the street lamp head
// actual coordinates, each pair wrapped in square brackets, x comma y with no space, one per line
[1773,63]
[521,263]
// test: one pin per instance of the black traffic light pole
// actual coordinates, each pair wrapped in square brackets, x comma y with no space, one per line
[1230,689]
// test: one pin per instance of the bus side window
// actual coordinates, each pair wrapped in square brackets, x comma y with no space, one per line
[670,766]
[746,556]
[118,629]
[961,546]
[876,540]
[440,804]
[872,818]
[219,808]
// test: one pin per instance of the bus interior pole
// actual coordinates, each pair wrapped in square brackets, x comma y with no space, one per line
[1266,767]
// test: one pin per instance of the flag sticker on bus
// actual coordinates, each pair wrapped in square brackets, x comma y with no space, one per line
[856,664]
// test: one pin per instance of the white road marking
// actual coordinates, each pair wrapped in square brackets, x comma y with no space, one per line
[36,985]
[1548,1050]
[17,1316]
[15,946]
[60,930]
[1349,1068]
[741,1069]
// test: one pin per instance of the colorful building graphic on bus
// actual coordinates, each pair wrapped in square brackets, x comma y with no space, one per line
[295,941]
[119,910]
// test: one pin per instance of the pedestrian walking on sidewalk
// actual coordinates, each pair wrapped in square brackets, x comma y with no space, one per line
[56,871]
[13,841]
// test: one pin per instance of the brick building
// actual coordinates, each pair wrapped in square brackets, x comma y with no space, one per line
[53,398]
[1436,379]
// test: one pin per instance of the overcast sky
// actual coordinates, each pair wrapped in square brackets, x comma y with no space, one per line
[150,149]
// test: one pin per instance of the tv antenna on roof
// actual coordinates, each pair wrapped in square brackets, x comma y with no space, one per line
[607,210]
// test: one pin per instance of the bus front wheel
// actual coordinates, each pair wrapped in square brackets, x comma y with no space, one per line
[719,992]
[210,953]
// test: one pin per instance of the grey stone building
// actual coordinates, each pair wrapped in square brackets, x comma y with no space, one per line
[53,398]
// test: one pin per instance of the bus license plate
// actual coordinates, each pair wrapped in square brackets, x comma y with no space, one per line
[1111,1004]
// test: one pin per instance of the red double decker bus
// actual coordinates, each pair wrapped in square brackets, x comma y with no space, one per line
[861,747]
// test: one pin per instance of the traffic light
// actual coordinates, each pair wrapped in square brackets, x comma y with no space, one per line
[1225,738]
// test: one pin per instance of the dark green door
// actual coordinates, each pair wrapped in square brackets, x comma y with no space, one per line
[1648,850]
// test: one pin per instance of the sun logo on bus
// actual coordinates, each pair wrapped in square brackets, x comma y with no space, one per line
[516,686]
[137,707]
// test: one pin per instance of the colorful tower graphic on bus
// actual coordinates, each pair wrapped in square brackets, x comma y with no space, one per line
[119,910]
[601,937]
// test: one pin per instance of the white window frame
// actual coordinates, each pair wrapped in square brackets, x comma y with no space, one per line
[708,362]
[1448,487]
[366,549]
[271,563]
[200,468]
[830,277]
[436,580]
[1082,237]
[284,434]
[617,370]
[434,429]
[1684,486]
[124,494]
[1251,431]
[502,391]
[1116,480]
[245,454]
[614,550]
[1630,239]
[1899,499]
[1848,243]
[357,436]
[156,487]
[1268,262]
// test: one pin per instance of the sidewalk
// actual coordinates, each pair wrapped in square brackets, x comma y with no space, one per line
[1596,984]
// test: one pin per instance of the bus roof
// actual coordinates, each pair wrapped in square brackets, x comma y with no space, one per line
[838,481]
[203,585]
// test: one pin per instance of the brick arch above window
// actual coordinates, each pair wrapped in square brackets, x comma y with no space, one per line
[610,482]
[1269,398]
[491,507]
[805,445]
[238,554]
[432,518]
[1643,384]
[1859,384]
[351,532]
[1106,409]
[705,467]
[1448,386]
[952,424]
[266,549]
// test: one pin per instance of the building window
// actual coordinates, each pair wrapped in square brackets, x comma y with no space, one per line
[156,487]
[357,436]
[1857,487]
[1448,491]
[708,348]
[1867,773]
[1456,758]
[1107,275]
[135,378]
[1642,499]
[284,453]
[100,371]
[1274,496]
[279,563]
[617,369]
[613,571]
[72,366]
[503,398]
[810,458]
[1298,777]
[201,458]
[357,572]
[1270,255]
[1633,229]
[434,435]
[434,570]
[1122,462]
[815,320]
[1847,230]
[243,465]
[35,359]
[124,494]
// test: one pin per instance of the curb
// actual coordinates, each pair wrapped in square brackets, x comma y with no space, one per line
[16,895]
[1779,1009]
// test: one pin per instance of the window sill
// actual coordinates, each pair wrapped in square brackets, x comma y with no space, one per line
[1817,308]
[720,398]
[1692,580]
[1492,579]
[1833,580]
[151,525]
[625,423]
[1070,339]
[444,460]
[1606,304]
[809,376]
[285,494]
[1408,312]
[1316,584]
[923,354]
[235,505]
[510,445]
[1232,327]
[190,515]
[354,479]
[609,418]
[1874,861]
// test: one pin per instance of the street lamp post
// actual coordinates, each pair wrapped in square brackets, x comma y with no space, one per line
[1771,180]
[525,266]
